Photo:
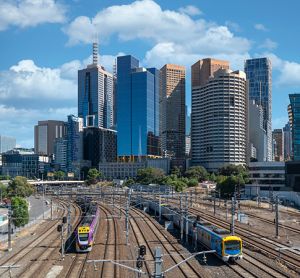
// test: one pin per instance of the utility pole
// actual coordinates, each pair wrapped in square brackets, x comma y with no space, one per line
[69,219]
[277,216]
[232,214]
[127,216]
[181,218]
[158,263]
[159,208]
[43,202]
[226,207]
[9,248]
[214,202]
[51,209]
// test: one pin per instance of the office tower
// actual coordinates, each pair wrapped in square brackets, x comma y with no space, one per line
[219,120]
[203,69]
[99,145]
[279,143]
[294,117]
[259,76]
[7,143]
[257,134]
[60,153]
[187,122]
[172,86]
[137,108]
[287,133]
[95,94]
[44,135]
[74,142]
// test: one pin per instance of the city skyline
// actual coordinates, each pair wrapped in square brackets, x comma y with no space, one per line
[38,73]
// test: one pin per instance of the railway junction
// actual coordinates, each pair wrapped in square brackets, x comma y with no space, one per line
[156,234]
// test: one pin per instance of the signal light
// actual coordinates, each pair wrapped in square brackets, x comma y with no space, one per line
[142,250]
[139,262]
[59,228]
[64,220]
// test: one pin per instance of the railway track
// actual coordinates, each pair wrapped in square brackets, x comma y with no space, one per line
[32,254]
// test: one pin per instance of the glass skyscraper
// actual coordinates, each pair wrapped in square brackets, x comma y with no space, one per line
[7,143]
[95,95]
[294,118]
[137,108]
[259,76]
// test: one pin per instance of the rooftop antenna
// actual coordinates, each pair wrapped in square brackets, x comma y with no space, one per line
[95,50]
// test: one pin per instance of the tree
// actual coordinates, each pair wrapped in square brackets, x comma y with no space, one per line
[213,177]
[128,182]
[150,175]
[4,177]
[3,191]
[176,171]
[93,176]
[232,169]
[227,186]
[19,187]
[197,172]
[59,175]
[20,214]
[192,183]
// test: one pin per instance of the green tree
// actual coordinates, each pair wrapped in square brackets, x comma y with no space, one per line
[197,172]
[4,177]
[20,214]
[128,182]
[93,176]
[150,175]
[232,169]
[213,177]
[227,186]
[59,175]
[192,183]
[19,187]
[176,171]
[3,191]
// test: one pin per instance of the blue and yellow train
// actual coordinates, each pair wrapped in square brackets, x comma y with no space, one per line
[228,247]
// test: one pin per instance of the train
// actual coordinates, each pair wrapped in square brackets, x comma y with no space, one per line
[228,247]
[87,228]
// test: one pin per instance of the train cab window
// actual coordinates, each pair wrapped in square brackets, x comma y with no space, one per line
[83,237]
[232,245]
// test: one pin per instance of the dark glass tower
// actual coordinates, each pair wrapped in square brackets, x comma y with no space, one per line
[137,108]
[294,117]
[259,76]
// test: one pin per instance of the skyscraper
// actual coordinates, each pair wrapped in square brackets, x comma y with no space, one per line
[95,94]
[259,76]
[257,134]
[137,108]
[287,141]
[294,116]
[279,143]
[205,68]
[219,120]
[74,142]
[44,135]
[7,143]
[172,86]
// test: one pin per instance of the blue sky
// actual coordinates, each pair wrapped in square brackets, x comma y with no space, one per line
[44,42]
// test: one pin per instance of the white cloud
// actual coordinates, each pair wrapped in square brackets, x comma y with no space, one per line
[289,72]
[268,44]
[23,126]
[190,10]
[260,27]
[25,13]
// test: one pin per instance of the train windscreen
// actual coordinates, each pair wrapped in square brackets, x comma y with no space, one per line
[83,237]
[232,245]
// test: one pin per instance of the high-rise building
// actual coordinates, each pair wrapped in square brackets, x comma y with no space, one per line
[7,143]
[137,108]
[259,76]
[187,122]
[74,142]
[99,145]
[287,133]
[44,135]
[294,117]
[172,113]
[95,94]
[219,120]
[204,69]
[60,153]
[279,143]
[257,134]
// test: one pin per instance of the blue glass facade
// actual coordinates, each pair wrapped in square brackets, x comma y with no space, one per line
[137,108]
[259,76]
[95,97]
[295,125]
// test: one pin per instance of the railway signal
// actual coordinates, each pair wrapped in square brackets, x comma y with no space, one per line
[142,250]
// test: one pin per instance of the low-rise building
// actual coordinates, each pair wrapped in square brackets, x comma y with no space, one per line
[125,170]
[265,176]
